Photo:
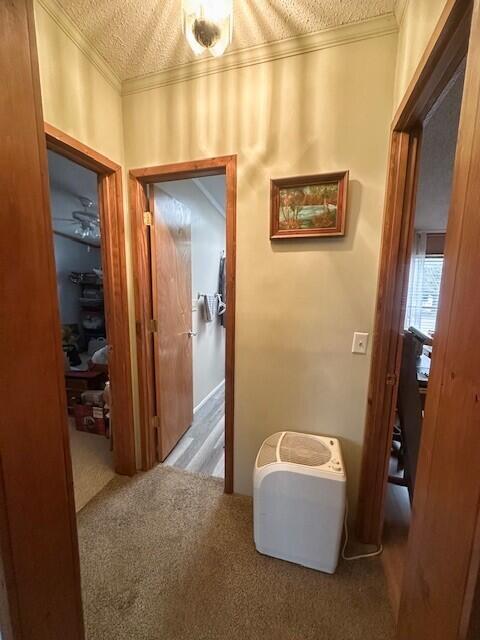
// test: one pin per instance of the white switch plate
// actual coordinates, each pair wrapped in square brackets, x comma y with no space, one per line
[360,342]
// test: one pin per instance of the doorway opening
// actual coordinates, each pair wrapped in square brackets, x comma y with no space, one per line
[184,252]
[196,206]
[77,238]
[444,490]
[436,160]
[89,253]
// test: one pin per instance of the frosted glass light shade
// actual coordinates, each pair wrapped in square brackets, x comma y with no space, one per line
[208,25]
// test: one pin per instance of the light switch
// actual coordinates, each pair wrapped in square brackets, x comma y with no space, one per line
[360,342]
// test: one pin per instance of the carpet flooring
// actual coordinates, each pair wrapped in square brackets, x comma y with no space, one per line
[167,556]
[92,464]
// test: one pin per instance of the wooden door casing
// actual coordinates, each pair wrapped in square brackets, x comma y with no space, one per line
[443,56]
[172,314]
[109,177]
[140,234]
[139,180]
[387,352]
[443,555]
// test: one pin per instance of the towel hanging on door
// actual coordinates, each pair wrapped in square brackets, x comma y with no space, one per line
[209,306]
[212,306]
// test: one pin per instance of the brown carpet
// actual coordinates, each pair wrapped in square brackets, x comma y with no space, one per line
[167,556]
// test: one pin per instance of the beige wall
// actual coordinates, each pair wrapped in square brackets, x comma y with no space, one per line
[417,25]
[76,97]
[299,302]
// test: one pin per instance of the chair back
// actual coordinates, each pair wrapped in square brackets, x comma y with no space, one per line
[410,410]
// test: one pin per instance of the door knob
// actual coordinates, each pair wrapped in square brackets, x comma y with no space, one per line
[191,333]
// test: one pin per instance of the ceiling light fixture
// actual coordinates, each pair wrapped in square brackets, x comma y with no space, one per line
[208,25]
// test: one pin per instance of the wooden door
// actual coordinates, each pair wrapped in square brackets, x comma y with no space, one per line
[172,313]
[443,554]
[39,569]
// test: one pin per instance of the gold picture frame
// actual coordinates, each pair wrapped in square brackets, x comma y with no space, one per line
[308,206]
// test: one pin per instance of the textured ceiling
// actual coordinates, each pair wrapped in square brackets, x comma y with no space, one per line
[144,36]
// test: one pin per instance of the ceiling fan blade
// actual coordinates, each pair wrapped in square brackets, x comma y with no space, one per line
[85,215]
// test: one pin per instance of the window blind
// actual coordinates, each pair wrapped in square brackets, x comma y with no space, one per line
[424,292]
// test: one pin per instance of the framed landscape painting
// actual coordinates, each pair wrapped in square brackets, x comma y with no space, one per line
[308,206]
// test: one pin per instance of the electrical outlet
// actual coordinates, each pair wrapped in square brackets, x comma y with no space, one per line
[360,342]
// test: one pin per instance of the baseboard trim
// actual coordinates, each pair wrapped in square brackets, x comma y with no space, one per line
[207,397]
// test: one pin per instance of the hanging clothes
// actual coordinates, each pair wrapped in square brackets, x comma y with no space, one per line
[221,306]
[222,287]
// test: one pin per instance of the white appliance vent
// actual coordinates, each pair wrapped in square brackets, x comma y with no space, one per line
[268,452]
[299,448]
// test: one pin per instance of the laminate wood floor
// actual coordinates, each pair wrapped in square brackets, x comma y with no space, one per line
[202,448]
[395,539]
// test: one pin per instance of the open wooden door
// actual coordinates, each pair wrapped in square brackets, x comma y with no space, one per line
[40,596]
[172,316]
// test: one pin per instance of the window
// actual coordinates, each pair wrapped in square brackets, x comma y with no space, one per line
[424,290]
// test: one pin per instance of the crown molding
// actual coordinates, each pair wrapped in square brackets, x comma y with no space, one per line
[336,36]
[277,50]
[399,10]
[58,15]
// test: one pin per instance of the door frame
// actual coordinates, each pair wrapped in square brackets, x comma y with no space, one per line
[444,54]
[40,592]
[110,206]
[139,180]
[446,507]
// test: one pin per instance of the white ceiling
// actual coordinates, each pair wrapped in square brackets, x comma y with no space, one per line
[193,190]
[137,37]
[70,178]
[439,141]
[213,187]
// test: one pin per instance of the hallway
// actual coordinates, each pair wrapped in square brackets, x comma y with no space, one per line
[168,555]
[201,448]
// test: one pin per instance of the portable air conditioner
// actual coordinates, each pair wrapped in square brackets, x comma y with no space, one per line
[299,499]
